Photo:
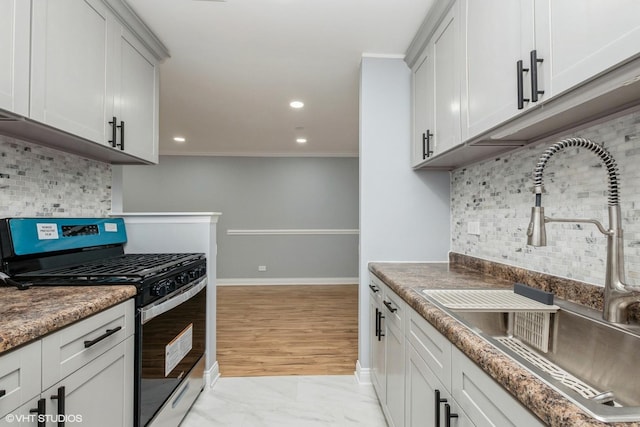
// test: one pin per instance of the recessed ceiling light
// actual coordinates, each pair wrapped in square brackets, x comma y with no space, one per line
[301,140]
[179,139]
[296,104]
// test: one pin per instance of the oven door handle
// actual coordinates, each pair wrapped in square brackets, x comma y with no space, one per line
[153,310]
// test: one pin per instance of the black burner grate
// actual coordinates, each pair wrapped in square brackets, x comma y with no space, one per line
[127,266]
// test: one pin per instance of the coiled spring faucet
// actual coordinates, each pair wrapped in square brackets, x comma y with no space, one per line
[617,294]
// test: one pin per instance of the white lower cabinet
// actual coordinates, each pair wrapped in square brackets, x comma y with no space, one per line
[20,373]
[440,385]
[486,402]
[81,374]
[428,401]
[387,349]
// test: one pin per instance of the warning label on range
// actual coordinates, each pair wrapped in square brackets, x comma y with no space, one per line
[177,349]
[47,231]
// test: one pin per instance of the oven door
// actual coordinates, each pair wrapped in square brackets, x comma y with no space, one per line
[171,342]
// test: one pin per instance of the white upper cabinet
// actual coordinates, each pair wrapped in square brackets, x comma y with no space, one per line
[493,51]
[525,69]
[70,87]
[446,58]
[423,108]
[436,91]
[136,101]
[84,74]
[15,16]
[102,86]
[583,38]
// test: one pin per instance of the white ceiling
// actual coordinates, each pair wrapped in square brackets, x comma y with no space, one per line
[236,65]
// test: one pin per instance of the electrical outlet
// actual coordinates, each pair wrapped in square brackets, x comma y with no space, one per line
[262,268]
[473,227]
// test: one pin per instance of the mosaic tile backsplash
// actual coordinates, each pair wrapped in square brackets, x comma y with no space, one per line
[498,194]
[38,181]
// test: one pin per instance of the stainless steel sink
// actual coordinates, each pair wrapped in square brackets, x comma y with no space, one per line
[593,363]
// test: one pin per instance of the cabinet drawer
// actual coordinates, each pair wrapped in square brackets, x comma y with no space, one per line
[69,349]
[19,376]
[431,345]
[484,400]
[393,308]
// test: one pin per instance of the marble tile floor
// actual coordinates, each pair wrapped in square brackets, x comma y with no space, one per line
[296,401]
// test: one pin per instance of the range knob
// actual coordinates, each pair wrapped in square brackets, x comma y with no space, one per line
[182,278]
[171,285]
[159,289]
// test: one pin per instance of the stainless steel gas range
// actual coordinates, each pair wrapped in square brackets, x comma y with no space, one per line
[170,301]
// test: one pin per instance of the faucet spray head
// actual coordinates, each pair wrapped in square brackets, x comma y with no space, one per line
[536,232]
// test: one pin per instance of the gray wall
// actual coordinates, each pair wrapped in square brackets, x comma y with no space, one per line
[404,214]
[497,194]
[265,193]
[38,181]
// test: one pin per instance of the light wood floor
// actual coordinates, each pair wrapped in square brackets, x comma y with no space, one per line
[287,330]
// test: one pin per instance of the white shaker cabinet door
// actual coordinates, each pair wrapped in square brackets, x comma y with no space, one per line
[15,16]
[423,108]
[70,86]
[583,38]
[498,33]
[100,394]
[137,98]
[447,61]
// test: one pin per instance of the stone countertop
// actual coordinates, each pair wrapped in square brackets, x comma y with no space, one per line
[405,278]
[30,314]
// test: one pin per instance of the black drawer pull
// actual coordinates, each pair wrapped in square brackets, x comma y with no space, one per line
[41,411]
[380,334]
[521,70]
[374,289]
[61,411]
[113,124]
[108,333]
[426,145]
[534,76]
[448,415]
[388,305]
[121,127]
[3,392]
[438,402]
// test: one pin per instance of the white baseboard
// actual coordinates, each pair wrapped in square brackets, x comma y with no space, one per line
[363,375]
[211,375]
[289,281]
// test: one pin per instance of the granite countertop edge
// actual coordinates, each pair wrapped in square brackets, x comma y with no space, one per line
[26,316]
[546,403]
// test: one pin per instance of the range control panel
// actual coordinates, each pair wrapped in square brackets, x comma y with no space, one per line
[29,236]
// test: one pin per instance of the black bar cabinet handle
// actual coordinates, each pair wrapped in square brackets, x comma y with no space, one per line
[113,124]
[41,411]
[380,317]
[3,392]
[121,127]
[61,411]
[448,415]
[438,402]
[377,322]
[426,143]
[389,306]
[521,70]
[534,76]
[107,333]
[374,289]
